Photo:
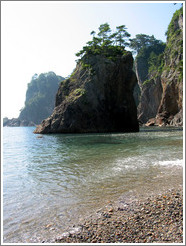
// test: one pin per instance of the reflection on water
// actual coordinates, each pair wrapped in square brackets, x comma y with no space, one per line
[50,179]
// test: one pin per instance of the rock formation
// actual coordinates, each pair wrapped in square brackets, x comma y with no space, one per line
[40,97]
[40,100]
[98,97]
[150,98]
[162,89]
[171,105]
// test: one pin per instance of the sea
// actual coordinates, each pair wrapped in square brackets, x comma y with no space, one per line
[50,182]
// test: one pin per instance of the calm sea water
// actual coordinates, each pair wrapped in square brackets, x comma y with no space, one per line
[50,182]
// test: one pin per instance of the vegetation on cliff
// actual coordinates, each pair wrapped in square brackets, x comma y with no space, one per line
[99,102]
[149,55]
[98,96]
[174,46]
[158,55]
[40,97]
[171,107]
[159,69]
[106,43]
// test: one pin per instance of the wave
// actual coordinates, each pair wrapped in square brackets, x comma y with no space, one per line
[177,162]
[133,163]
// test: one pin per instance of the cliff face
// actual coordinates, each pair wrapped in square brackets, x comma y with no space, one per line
[141,67]
[162,90]
[149,82]
[170,109]
[98,97]
[150,99]
[40,97]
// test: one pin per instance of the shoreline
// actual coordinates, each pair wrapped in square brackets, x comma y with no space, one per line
[57,224]
[157,218]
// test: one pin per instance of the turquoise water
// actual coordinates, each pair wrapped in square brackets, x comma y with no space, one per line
[51,181]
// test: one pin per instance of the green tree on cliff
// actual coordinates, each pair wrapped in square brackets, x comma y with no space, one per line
[149,51]
[106,42]
[143,41]
[122,36]
[104,34]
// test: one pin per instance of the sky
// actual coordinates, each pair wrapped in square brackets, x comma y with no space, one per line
[42,36]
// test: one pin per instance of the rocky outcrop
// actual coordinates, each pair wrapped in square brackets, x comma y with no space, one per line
[149,83]
[141,69]
[40,100]
[150,99]
[171,105]
[40,97]
[161,100]
[98,97]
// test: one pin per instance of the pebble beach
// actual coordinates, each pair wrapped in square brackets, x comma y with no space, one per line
[154,219]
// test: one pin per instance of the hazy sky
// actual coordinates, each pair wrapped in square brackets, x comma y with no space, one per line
[43,36]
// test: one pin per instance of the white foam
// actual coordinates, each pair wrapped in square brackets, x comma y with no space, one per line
[177,162]
[133,163]
[128,163]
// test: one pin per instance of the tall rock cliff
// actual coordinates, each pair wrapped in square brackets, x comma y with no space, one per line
[170,110]
[162,88]
[98,97]
[149,83]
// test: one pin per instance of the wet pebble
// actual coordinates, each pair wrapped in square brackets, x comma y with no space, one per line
[158,219]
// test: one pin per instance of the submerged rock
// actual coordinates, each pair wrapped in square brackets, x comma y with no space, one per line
[98,97]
